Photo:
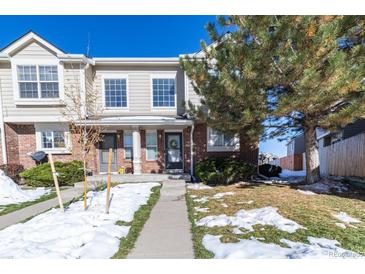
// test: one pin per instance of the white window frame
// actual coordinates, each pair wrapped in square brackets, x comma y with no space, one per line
[114,76]
[124,133]
[169,75]
[37,101]
[223,148]
[156,146]
[51,127]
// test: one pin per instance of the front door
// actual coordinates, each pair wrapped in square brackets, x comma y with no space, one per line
[173,145]
[109,141]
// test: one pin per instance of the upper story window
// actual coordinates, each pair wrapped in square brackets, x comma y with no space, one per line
[164,92]
[221,141]
[37,81]
[115,93]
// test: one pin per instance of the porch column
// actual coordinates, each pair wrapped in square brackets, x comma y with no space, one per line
[137,168]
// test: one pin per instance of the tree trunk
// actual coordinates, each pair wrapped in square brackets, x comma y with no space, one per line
[248,151]
[311,156]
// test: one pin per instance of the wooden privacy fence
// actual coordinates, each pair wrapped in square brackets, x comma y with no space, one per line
[345,158]
[292,162]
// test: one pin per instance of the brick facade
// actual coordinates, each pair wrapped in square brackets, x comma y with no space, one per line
[21,140]
[247,153]
[147,165]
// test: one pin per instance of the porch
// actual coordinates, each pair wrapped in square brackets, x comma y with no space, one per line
[144,145]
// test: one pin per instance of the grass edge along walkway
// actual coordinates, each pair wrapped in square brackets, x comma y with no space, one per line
[199,250]
[14,207]
[140,217]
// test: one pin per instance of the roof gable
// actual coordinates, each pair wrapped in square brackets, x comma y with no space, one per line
[27,39]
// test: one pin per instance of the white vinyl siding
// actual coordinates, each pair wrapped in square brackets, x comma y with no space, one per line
[193,97]
[128,145]
[151,145]
[18,109]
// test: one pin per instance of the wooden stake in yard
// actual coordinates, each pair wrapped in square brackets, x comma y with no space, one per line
[55,179]
[110,159]
[85,187]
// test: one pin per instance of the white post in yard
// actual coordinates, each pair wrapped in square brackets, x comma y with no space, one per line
[137,168]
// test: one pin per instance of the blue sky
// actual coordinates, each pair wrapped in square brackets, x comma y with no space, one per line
[123,36]
[120,36]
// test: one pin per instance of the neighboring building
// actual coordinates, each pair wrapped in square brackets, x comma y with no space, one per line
[341,152]
[294,159]
[144,117]
[326,138]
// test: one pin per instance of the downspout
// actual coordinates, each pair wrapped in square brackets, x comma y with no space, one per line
[2,129]
[192,151]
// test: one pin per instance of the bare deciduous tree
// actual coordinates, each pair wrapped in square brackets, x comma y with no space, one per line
[82,104]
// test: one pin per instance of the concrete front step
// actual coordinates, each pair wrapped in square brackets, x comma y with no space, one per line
[98,180]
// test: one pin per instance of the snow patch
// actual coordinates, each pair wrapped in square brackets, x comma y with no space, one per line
[77,233]
[341,225]
[254,249]
[237,231]
[202,200]
[342,216]
[201,209]
[248,218]
[325,186]
[222,194]
[224,205]
[198,186]
[11,193]
[306,192]
[286,173]
[248,202]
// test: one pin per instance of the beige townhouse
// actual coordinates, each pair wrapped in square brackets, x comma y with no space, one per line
[143,110]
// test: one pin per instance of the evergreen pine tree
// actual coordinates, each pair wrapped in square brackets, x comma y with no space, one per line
[225,75]
[319,76]
[289,73]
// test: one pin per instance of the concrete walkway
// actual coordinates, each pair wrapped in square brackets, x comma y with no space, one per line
[30,211]
[166,234]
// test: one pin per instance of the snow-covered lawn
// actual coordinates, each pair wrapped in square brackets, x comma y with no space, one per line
[77,233]
[11,193]
[253,248]
[318,248]
[276,221]
[248,218]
